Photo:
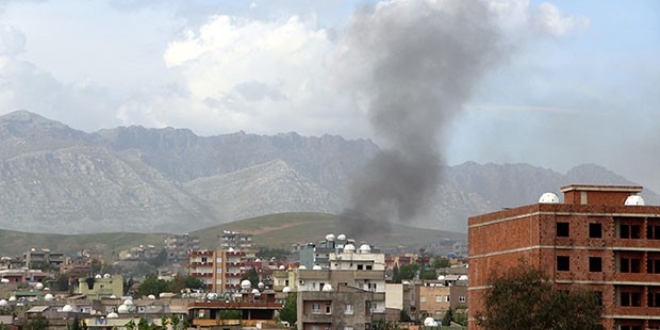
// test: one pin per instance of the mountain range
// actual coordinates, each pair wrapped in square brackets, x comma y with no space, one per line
[56,179]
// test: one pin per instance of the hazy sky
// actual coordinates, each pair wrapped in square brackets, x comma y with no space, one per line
[580,82]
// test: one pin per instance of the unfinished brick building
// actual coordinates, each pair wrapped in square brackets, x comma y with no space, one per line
[602,238]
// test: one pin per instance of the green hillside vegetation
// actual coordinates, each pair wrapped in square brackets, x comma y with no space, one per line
[274,231]
[284,229]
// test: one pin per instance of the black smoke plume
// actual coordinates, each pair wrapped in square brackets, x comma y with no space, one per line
[413,64]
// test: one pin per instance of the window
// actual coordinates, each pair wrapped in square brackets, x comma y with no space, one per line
[461,298]
[348,328]
[438,298]
[316,308]
[653,298]
[447,298]
[328,309]
[627,265]
[653,266]
[629,231]
[422,299]
[633,299]
[630,327]
[652,232]
[360,267]
[218,260]
[563,263]
[348,310]
[562,229]
[595,230]
[369,267]
[595,264]
[204,259]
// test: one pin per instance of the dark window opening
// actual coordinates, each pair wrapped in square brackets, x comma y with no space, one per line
[629,231]
[652,232]
[595,264]
[563,263]
[631,299]
[635,266]
[653,266]
[595,230]
[562,229]
[653,299]
[627,265]
[359,267]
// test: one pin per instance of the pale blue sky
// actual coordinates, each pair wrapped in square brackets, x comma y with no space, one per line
[579,87]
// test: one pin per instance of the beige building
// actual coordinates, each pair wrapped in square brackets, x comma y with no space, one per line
[101,286]
[437,297]
[221,270]
[344,308]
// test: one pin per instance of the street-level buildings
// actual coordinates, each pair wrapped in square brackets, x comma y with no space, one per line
[602,238]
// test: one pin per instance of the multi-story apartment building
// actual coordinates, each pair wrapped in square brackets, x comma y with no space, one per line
[178,246]
[435,298]
[220,270]
[37,258]
[354,274]
[235,240]
[601,238]
[341,308]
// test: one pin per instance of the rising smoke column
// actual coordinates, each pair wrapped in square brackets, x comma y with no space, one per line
[413,64]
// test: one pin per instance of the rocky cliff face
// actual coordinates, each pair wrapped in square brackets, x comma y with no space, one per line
[57,179]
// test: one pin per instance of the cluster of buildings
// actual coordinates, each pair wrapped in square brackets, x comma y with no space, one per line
[600,238]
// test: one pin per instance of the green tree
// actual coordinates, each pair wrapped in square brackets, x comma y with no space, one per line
[39,322]
[460,317]
[449,316]
[523,298]
[408,272]
[440,262]
[181,282]
[289,311]
[396,278]
[75,325]
[404,316]
[152,285]
[252,276]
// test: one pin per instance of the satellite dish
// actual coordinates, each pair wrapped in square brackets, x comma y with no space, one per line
[634,200]
[549,198]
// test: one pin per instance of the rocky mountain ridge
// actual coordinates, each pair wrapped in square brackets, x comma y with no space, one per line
[57,179]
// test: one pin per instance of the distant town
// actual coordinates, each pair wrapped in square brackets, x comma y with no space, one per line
[602,238]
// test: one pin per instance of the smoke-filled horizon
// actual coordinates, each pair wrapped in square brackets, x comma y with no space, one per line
[423,60]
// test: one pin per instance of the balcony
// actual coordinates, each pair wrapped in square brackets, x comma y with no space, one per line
[313,317]
[201,274]
[369,275]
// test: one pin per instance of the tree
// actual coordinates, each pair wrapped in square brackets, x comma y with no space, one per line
[449,316]
[76,324]
[440,262]
[39,322]
[152,285]
[524,298]
[252,276]
[404,316]
[289,311]
[180,282]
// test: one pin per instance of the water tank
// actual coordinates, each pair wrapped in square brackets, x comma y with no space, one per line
[246,284]
[3,302]
[67,308]
[286,289]
[430,322]
[365,248]
[122,309]
[112,315]
[48,297]
[349,248]
[327,288]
